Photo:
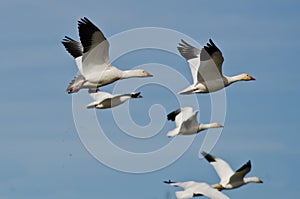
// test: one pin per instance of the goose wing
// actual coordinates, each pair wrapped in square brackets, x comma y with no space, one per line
[184,185]
[211,51]
[205,64]
[204,189]
[99,97]
[75,49]
[180,115]
[222,168]
[192,55]
[193,189]
[191,124]
[241,172]
[95,49]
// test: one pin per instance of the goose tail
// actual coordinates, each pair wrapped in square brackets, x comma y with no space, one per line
[173,133]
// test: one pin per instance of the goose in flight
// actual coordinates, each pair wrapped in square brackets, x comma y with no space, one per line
[106,100]
[92,58]
[228,178]
[206,68]
[193,189]
[187,123]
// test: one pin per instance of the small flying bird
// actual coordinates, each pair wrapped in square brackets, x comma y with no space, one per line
[194,189]
[92,58]
[206,68]
[228,178]
[187,123]
[105,100]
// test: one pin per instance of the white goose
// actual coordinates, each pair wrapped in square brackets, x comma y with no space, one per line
[106,100]
[96,67]
[193,189]
[206,68]
[228,178]
[187,123]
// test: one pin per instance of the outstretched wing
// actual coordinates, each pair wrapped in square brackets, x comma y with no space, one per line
[99,97]
[75,49]
[193,189]
[241,172]
[192,55]
[184,185]
[214,52]
[222,168]
[206,190]
[95,48]
[191,124]
[180,115]
[205,64]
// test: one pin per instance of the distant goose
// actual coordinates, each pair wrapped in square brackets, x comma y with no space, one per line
[106,100]
[193,189]
[96,67]
[187,123]
[228,178]
[206,68]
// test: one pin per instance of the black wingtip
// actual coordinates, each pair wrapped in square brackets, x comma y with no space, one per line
[72,46]
[84,19]
[246,165]
[197,194]
[136,95]
[184,43]
[168,182]
[171,116]
[209,49]
[208,157]
[67,38]
[213,44]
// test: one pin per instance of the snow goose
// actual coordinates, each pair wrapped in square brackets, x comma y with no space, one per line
[193,189]
[106,100]
[206,68]
[187,123]
[228,178]
[96,67]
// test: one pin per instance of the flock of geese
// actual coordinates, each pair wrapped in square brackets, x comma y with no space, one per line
[91,55]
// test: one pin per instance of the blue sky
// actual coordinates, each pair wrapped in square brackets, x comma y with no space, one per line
[41,153]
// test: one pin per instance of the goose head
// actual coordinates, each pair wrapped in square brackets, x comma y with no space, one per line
[136,95]
[257,180]
[216,125]
[135,73]
[202,127]
[142,73]
[253,179]
[247,77]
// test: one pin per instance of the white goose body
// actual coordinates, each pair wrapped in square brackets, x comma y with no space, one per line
[230,179]
[187,123]
[194,189]
[206,68]
[92,59]
[105,100]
